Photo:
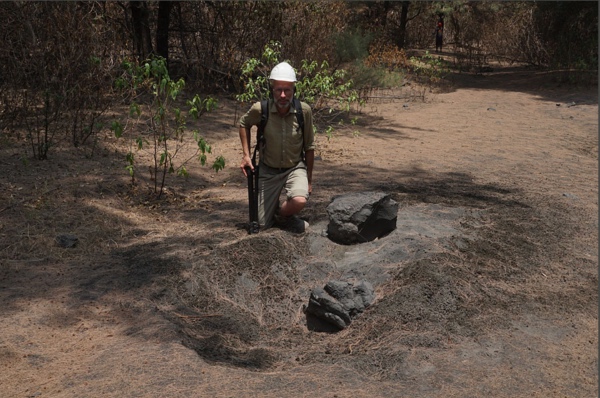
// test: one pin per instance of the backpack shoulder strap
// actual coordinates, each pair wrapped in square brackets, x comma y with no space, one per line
[264,117]
[299,119]
[299,114]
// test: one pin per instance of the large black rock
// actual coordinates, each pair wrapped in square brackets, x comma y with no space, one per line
[361,217]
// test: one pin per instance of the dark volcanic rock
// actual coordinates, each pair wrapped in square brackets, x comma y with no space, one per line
[361,217]
[333,307]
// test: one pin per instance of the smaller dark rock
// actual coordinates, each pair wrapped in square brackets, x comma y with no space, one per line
[332,308]
[66,241]
[326,307]
[570,195]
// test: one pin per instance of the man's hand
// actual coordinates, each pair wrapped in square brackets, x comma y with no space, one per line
[245,139]
[246,162]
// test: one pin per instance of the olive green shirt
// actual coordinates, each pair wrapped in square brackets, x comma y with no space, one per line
[283,140]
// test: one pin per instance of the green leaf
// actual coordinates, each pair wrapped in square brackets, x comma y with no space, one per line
[117,127]
[120,83]
[182,172]
[134,109]
[219,164]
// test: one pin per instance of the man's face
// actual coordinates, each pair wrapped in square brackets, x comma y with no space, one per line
[283,93]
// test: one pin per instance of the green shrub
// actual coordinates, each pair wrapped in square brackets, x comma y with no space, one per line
[429,68]
[165,122]
[351,46]
[365,76]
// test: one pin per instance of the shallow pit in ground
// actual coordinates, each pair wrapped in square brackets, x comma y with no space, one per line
[269,276]
[252,292]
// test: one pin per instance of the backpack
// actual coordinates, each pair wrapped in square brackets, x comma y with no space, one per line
[264,108]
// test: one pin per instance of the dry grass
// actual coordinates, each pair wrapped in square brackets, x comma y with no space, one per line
[173,289]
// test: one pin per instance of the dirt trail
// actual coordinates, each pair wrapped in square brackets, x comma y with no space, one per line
[488,287]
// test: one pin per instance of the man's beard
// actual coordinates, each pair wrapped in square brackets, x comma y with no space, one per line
[285,105]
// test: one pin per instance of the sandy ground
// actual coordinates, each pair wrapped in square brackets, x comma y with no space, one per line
[487,288]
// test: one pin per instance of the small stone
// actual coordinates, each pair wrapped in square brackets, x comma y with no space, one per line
[66,241]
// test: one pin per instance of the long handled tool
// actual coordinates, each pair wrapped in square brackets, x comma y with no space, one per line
[253,226]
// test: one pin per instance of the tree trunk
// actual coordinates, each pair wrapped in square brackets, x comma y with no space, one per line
[142,40]
[387,5]
[403,21]
[162,29]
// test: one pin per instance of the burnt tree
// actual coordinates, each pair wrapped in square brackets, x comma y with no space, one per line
[162,29]
[140,22]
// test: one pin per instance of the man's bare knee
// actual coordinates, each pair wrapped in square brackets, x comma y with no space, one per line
[293,206]
[299,200]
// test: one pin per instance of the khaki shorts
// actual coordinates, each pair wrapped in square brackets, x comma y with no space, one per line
[271,183]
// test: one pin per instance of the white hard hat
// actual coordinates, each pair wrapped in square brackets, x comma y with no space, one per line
[283,72]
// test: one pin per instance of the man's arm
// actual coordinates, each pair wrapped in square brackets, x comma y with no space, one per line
[309,144]
[310,161]
[246,159]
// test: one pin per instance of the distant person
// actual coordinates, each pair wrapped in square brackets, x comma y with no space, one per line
[286,155]
[439,36]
